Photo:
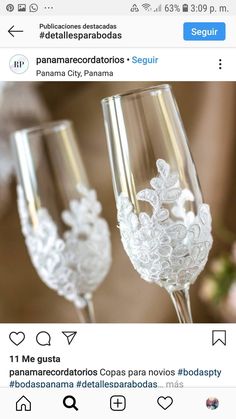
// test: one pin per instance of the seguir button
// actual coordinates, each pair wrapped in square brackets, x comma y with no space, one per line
[204,31]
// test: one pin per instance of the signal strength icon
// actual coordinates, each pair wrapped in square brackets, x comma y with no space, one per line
[146,6]
[158,9]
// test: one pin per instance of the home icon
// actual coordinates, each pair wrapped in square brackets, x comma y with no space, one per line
[23,404]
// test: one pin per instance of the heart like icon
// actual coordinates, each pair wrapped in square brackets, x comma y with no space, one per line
[17,337]
[165,402]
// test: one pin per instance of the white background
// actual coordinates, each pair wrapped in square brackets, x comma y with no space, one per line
[124,346]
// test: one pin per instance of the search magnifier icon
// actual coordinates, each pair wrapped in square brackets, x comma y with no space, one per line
[70,402]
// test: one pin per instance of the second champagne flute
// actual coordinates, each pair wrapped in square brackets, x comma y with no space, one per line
[165,226]
[67,240]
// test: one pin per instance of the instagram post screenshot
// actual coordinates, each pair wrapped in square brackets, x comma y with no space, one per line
[117,209]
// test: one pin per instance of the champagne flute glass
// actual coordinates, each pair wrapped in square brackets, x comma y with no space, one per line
[67,240]
[165,227]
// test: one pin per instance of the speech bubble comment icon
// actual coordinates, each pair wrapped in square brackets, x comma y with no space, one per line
[43,339]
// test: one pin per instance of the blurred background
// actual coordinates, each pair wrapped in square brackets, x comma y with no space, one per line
[208,113]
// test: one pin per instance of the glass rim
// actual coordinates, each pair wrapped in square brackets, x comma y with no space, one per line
[158,87]
[44,127]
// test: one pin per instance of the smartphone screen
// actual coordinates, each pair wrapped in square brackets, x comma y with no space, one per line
[117,209]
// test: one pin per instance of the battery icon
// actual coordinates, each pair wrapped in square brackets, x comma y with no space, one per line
[185,7]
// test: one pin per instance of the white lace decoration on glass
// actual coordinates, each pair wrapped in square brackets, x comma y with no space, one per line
[171,246]
[75,264]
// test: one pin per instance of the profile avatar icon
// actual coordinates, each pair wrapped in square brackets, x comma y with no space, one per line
[212,403]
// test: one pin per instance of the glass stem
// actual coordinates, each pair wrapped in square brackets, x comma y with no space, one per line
[182,306]
[87,314]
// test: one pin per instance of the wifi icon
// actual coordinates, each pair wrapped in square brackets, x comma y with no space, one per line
[146,6]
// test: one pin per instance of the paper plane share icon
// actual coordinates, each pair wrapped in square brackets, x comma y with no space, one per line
[69,336]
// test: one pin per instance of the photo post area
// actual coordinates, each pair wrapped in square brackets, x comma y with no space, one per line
[60,165]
